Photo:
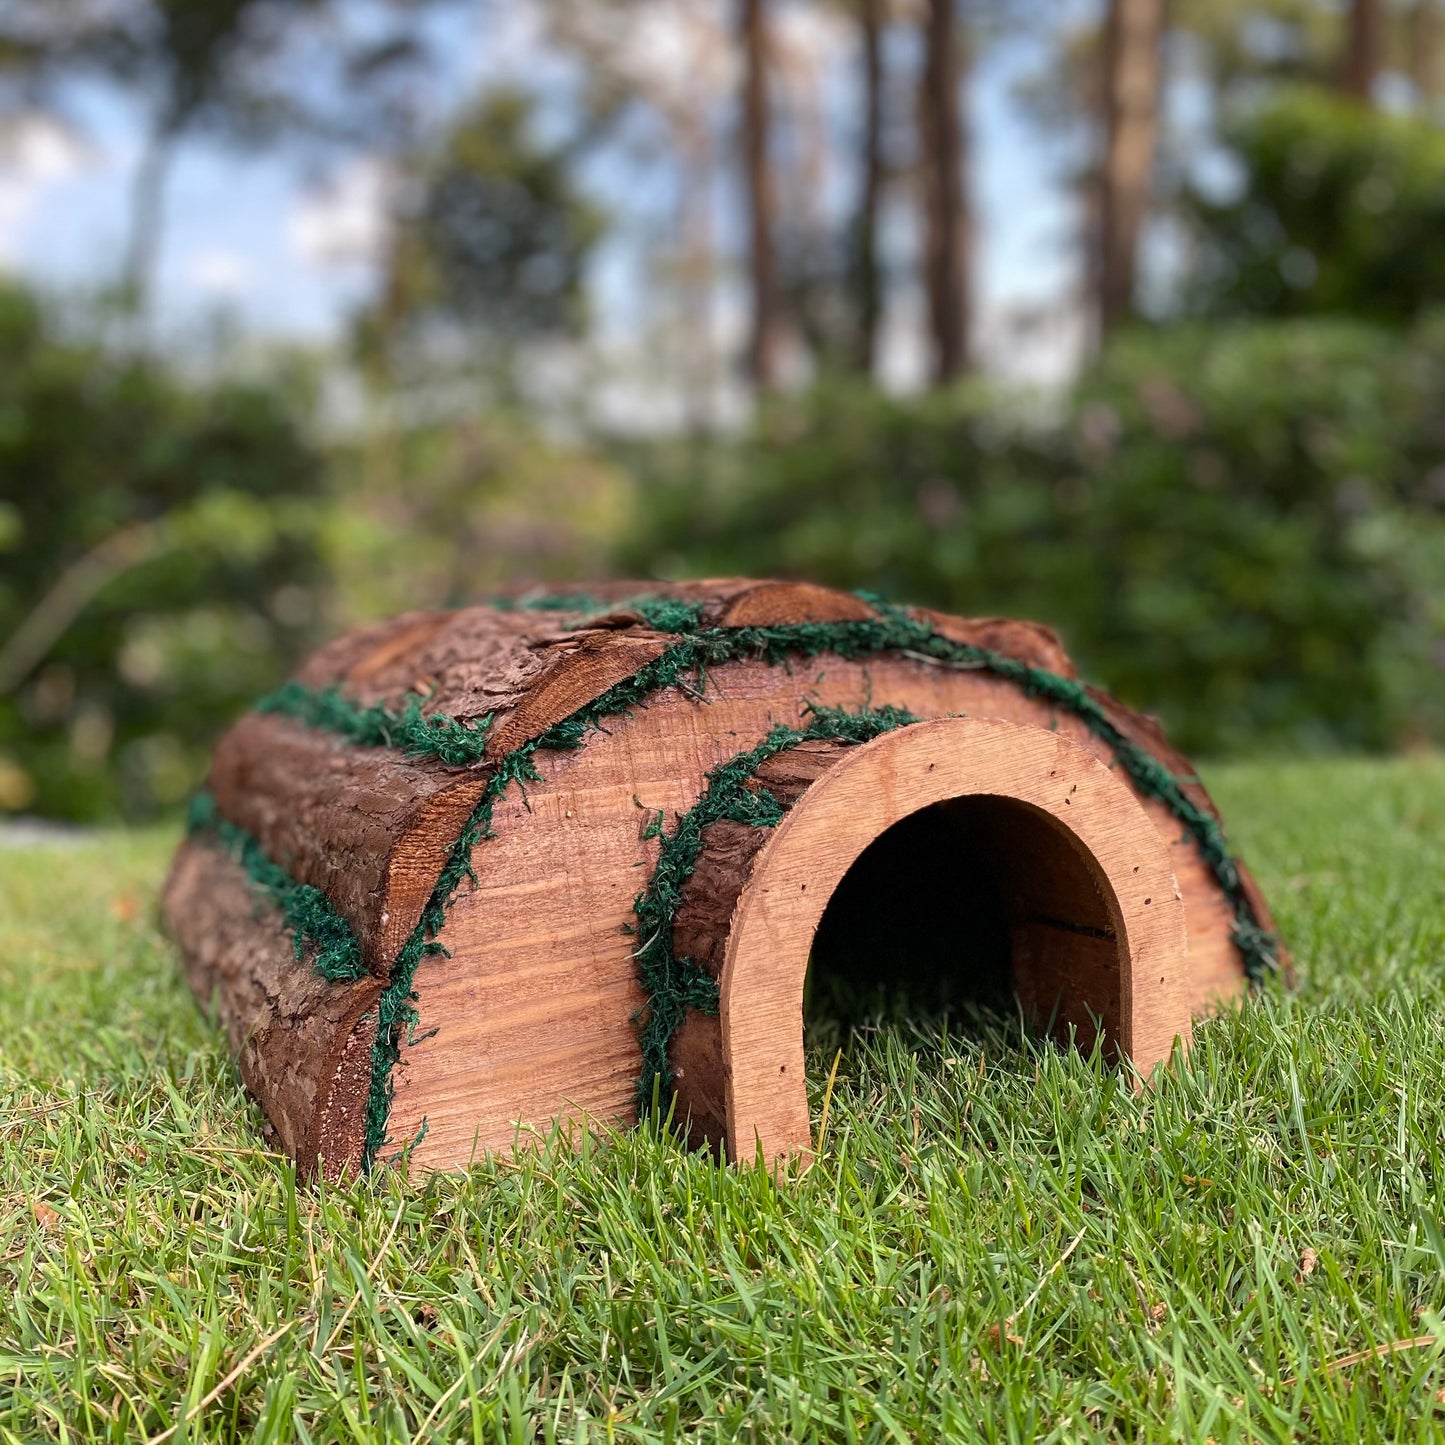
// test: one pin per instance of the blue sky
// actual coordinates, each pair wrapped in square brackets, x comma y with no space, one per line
[290,255]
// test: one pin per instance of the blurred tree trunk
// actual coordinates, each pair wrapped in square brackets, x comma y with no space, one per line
[870,299]
[943,144]
[696,268]
[1133,39]
[763,346]
[146,218]
[1424,40]
[1362,55]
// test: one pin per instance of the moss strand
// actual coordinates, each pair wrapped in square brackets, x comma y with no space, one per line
[673,984]
[306,910]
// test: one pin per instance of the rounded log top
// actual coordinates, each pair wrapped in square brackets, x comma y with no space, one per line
[528,661]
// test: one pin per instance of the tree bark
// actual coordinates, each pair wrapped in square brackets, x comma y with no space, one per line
[697,268]
[1362,55]
[303,1044]
[870,301]
[941,129]
[763,345]
[700,932]
[1133,39]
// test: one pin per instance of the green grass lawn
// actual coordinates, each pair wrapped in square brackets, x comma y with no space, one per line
[1000,1238]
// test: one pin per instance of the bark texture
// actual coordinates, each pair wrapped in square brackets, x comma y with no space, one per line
[1363,49]
[701,926]
[303,1044]
[1029,642]
[368,827]
[869,283]
[1426,28]
[703,922]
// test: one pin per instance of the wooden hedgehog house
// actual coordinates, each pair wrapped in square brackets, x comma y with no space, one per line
[562,858]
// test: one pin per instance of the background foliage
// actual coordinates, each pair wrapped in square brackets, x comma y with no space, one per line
[1339,211]
[1234,512]
[1241,526]
[188,517]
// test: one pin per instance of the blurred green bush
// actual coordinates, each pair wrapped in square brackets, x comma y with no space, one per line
[452,511]
[169,547]
[158,565]
[1241,528]
[1339,209]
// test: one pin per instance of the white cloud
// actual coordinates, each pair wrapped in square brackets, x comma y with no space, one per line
[343,222]
[36,153]
[221,272]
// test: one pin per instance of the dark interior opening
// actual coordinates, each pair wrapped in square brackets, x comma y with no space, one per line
[974,904]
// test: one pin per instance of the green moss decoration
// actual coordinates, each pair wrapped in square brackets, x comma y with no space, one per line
[307,910]
[409,730]
[673,984]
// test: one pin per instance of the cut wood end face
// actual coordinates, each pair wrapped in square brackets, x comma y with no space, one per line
[1085,912]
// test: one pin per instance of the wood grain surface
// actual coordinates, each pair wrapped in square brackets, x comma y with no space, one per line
[1089,878]
[532,1018]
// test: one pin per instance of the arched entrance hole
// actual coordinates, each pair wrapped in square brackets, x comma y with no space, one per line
[973,902]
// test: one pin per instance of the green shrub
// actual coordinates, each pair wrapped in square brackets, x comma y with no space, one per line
[1341,210]
[175,524]
[1241,528]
